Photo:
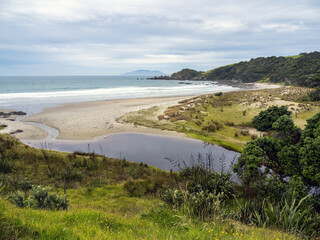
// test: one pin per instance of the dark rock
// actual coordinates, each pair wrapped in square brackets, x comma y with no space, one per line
[17,131]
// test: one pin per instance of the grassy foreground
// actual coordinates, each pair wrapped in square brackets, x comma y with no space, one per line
[109,213]
[108,199]
[225,120]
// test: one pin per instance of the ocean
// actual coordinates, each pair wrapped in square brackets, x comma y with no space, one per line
[32,94]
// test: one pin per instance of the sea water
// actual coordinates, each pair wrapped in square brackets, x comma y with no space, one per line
[32,94]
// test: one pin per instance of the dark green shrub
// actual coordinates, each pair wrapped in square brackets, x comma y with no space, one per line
[212,127]
[25,185]
[244,132]
[154,185]
[228,123]
[285,164]
[290,217]
[39,198]
[72,175]
[265,119]
[205,190]
[218,94]
[314,96]
[6,165]
[198,123]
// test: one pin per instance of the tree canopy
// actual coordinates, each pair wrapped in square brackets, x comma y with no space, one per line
[265,119]
[301,70]
[287,164]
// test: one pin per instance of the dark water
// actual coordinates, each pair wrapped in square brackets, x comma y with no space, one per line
[148,149]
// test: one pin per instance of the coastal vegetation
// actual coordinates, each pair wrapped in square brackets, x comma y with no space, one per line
[115,199]
[271,192]
[226,119]
[186,74]
[301,70]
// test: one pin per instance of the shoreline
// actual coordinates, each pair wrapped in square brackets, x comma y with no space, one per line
[92,119]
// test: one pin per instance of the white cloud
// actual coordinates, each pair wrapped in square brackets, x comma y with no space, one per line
[115,35]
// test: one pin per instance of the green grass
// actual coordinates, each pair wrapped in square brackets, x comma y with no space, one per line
[108,213]
[101,206]
[294,56]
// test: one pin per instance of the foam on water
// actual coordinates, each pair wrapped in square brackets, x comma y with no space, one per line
[33,94]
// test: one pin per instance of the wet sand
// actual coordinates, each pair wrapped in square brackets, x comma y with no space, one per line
[88,120]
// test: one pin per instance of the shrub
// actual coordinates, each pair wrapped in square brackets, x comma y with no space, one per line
[244,132]
[314,96]
[244,113]
[205,190]
[285,163]
[153,185]
[218,94]
[160,117]
[198,123]
[6,165]
[39,198]
[264,120]
[71,175]
[290,217]
[212,127]
[228,123]
[25,185]
[254,136]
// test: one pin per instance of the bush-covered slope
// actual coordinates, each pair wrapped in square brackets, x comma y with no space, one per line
[186,73]
[300,70]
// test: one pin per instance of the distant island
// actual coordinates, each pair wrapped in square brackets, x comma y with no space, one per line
[300,70]
[144,73]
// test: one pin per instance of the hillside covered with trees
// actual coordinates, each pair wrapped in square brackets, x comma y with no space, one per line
[300,70]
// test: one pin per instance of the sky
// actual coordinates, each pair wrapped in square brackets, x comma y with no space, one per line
[110,37]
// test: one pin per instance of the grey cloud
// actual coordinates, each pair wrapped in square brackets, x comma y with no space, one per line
[166,34]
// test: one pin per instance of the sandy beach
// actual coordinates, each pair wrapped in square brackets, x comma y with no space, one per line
[88,120]
[82,121]
[29,131]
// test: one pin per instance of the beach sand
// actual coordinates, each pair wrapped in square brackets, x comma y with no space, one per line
[83,121]
[88,120]
[29,131]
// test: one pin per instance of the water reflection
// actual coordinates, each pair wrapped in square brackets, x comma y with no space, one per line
[153,150]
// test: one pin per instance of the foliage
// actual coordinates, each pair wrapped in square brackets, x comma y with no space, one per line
[204,191]
[313,96]
[301,71]
[102,207]
[218,94]
[39,198]
[265,119]
[6,165]
[285,165]
[288,217]
[186,74]
[151,186]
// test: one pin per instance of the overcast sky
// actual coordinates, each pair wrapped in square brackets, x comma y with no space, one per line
[108,37]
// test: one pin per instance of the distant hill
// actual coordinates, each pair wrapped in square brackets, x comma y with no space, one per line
[299,70]
[144,73]
[186,74]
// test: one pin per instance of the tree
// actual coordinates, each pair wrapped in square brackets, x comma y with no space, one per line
[265,119]
[286,164]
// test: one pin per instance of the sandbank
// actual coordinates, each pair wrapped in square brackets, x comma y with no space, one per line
[88,120]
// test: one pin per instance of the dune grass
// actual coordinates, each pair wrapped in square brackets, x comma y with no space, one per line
[230,114]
